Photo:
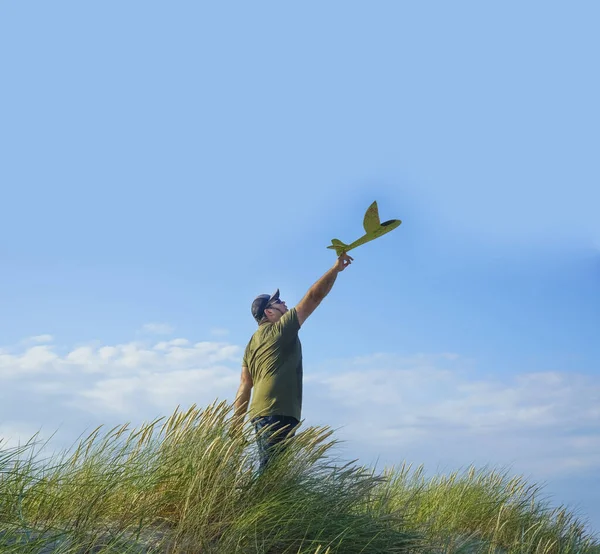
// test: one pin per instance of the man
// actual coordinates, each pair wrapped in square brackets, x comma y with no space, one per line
[272,364]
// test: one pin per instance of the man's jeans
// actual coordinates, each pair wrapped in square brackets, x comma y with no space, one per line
[272,440]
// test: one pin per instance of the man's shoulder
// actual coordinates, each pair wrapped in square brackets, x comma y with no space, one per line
[288,323]
[291,314]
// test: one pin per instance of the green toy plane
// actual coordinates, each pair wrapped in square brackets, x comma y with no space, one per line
[373,230]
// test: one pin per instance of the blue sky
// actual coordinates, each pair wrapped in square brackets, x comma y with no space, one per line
[164,164]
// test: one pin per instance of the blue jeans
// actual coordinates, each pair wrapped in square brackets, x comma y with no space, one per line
[271,441]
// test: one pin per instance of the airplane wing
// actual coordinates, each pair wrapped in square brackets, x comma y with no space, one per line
[371,221]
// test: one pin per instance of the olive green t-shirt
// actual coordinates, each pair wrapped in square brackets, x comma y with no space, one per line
[274,359]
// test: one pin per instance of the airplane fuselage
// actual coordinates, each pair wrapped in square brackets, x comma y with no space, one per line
[385,228]
[373,228]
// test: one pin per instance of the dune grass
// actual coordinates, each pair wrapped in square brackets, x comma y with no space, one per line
[189,484]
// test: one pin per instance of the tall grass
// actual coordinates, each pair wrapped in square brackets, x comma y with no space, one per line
[482,510]
[189,483]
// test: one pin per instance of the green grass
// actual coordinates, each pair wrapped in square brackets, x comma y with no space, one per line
[186,484]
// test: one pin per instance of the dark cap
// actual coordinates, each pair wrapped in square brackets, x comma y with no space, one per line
[261,302]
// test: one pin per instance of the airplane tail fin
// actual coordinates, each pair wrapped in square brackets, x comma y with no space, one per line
[338,246]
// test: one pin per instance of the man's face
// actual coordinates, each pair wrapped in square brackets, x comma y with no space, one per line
[277,306]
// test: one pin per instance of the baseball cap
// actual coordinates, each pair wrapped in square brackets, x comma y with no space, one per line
[261,302]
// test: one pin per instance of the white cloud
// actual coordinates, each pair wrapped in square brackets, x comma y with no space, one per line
[157,393]
[115,359]
[157,329]
[136,379]
[40,339]
[37,359]
[13,434]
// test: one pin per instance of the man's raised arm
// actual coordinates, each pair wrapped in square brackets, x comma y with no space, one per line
[321,288]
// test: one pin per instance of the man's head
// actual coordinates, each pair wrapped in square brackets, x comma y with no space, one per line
[268,308]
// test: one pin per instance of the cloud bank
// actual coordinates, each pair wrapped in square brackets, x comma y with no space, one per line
[435,409]
[432,408]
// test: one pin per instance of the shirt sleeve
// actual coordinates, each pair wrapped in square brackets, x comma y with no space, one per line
[288,325]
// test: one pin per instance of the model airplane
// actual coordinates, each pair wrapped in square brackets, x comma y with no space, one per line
[373,230]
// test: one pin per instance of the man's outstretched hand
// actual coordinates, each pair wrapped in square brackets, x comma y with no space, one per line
[343,262]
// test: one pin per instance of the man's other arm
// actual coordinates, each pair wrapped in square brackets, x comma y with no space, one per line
[242,398]
[321,288]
